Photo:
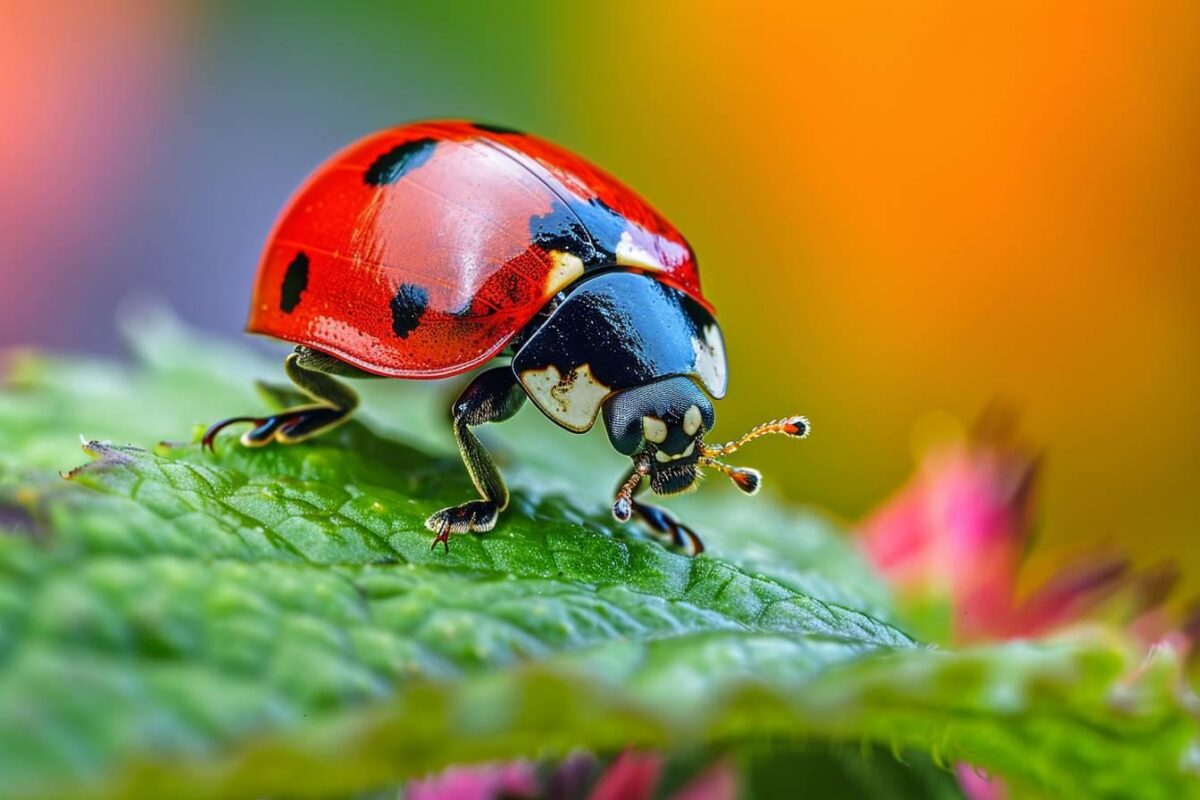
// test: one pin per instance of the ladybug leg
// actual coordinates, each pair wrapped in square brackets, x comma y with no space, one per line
[493,396]
[662,526]
[310,372]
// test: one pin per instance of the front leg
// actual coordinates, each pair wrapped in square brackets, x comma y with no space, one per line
[493,396]
[662,525]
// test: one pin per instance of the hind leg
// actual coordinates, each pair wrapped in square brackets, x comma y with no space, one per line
[312,373]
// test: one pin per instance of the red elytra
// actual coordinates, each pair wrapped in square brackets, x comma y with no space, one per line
[420,251]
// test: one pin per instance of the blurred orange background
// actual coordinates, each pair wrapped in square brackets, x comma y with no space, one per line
[901,213]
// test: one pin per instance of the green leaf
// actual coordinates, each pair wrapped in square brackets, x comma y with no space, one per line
[265,622]
[842,771]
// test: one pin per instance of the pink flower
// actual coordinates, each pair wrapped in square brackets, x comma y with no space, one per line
[954,537]
[978,786]
[632,775]
[484,782]
[956,534]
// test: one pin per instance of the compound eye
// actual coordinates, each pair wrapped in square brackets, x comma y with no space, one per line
[654,429]
[692,420]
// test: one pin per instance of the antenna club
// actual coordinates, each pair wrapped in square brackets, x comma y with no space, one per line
[748,480]
[797,426]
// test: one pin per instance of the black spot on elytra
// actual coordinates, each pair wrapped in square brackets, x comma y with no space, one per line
[500,129]
[399,161]
[408,306]
[588,229]
[295,281]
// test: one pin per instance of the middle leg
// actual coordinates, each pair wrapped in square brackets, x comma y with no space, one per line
[493,396]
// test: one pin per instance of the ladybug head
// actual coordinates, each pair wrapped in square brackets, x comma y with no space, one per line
[661,425]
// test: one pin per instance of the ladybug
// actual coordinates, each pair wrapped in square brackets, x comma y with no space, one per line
[427,250]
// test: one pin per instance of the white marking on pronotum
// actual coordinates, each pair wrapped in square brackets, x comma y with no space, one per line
[630,255]
[710,360]
[567,267]
[573,401]
[654,429]
[692,420]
